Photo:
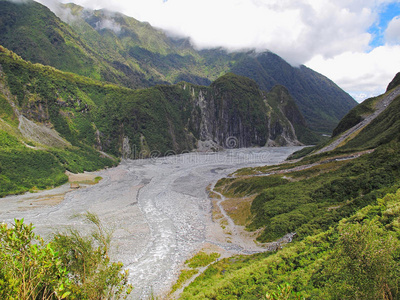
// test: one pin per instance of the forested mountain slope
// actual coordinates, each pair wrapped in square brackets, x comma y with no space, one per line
[49,110]
[112,47]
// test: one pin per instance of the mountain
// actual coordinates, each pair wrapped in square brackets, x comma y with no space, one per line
[115,48]
[77,122]
[341,205]
[372,123]
[321,102]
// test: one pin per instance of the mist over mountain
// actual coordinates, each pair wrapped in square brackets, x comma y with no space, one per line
[112,47]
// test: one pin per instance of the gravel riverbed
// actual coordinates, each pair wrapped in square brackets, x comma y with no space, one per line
[159,210]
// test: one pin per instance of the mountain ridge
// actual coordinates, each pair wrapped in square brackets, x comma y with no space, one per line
[120,49]
[67,116]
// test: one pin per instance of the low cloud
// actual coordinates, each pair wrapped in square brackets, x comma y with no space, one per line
[362,75]
[330,36]
[62,12]
[296,30]
[108,24]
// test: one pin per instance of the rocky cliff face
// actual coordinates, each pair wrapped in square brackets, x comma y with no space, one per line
[234,113]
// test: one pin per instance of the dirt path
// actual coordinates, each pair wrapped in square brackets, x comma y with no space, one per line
[380,107]
[243,244]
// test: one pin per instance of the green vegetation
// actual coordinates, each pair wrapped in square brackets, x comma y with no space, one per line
[202,259]
[311,200]
[184,276]
[381,130]
[355,259]
[314,94]
[27,164]
[30,268]
[249,186]
[70,266]
[25,169]
[284,292]
[356,115]
[301,153]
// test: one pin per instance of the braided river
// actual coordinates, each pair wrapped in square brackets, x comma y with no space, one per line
[158,208]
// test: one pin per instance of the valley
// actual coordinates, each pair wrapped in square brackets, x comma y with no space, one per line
[159,210]
[144,166]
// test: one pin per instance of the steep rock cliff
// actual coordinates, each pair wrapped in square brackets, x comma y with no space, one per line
[233,112]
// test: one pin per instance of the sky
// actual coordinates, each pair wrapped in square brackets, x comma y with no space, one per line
[355,43]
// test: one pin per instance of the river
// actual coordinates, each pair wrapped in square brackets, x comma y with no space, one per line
[158,208]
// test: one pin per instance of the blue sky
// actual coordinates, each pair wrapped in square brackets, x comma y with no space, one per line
[377,30]
[356,43]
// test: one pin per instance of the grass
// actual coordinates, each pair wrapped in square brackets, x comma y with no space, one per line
[315,267]
[183,277]
[301,200]
[238,209]
[93,181]
[202,259]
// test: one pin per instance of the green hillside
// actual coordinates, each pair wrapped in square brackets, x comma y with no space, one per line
[343,207]
[383,129]
[314,94]
[355,259]
[32,30]
[115,48]
[38,160]
[71,121]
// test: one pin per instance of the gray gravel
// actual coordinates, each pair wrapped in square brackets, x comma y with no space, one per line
[158,208]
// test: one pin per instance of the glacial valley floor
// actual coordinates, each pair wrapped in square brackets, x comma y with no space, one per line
[158,208]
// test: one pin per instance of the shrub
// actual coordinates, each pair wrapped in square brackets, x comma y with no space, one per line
[364,265]
[70,266]
[93,275]
[30,268]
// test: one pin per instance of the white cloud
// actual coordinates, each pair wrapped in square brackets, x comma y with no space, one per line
[330,36]
[392,34]
[56,8]
[108,24]
[295,30]
[362,75]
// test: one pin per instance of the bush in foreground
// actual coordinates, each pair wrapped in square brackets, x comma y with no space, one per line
[70,266]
